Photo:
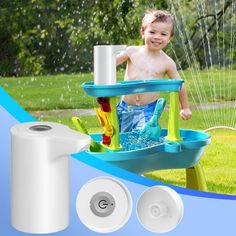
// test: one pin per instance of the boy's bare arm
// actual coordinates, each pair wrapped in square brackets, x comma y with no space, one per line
[185,110]
[183,98]
[121,57]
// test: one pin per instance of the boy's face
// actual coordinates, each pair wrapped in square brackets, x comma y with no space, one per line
[157,35]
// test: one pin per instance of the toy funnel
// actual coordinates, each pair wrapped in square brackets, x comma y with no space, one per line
[94,146]
[105,63]
[40,175]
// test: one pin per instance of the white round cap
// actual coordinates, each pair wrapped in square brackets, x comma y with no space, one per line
[104,204]
[160,209]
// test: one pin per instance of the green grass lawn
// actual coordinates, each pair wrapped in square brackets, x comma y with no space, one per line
[49,92]
[210,85]
[218,162]
[65,92]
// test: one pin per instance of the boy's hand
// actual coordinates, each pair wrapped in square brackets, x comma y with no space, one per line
[185,113]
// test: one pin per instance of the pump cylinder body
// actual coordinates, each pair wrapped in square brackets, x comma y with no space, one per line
[40,175]
[105,63]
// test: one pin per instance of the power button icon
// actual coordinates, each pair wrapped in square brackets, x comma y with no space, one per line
[102,204]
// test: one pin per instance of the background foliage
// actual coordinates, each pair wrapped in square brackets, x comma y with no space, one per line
[57,36]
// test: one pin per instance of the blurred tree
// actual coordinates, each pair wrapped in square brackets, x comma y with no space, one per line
[57,36]
[205,32]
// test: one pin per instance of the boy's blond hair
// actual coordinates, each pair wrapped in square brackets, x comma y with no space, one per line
[152,16]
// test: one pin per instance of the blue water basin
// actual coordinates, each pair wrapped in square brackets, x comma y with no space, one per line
[158,156]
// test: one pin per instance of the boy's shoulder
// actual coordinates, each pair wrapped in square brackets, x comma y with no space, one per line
[168,59]
[133,49]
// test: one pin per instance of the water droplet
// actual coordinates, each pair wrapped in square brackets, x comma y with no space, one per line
[62,98]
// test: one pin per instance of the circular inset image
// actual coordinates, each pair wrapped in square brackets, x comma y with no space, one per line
[160,209]
[104,204]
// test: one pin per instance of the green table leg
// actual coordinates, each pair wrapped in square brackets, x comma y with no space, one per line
[195,178]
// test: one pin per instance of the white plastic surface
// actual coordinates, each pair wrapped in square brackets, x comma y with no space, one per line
[122,200]
[105,63]
[160,209]
[40,175]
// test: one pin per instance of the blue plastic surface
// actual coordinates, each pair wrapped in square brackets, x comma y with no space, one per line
[172,147]
[164,155]
[132,87]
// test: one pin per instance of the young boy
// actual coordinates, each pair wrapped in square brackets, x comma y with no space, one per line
[148,62]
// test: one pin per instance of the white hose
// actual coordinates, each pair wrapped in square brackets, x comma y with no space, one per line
[219,127]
